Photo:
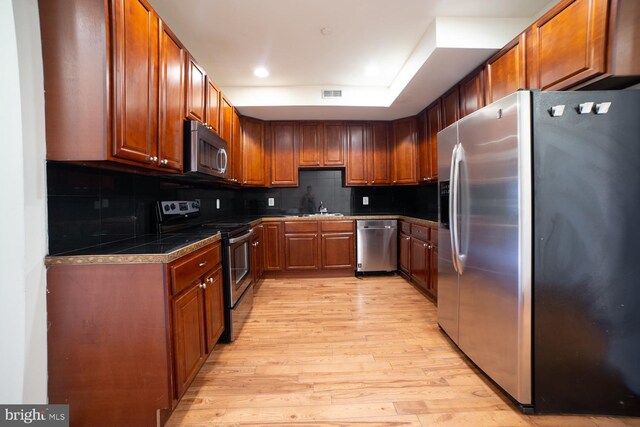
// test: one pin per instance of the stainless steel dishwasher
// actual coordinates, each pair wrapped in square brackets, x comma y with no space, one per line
[377,245]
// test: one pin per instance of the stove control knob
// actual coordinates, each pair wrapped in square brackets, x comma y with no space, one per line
[166,207]
[173,206]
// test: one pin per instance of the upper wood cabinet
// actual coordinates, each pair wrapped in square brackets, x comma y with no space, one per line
[356,172]
[196,91]
[212,118]
[579,40]
[506,71]
[255,169]
[429,125]
[112,96]
[379,153]
[236,155]
[404,168]
[284,154]
[335,134]
[451,106]
[310,144]
[472,93]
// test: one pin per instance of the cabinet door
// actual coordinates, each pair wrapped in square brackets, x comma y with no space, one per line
[213,308]
[255,169]
[284,155]
[226,119]
[434,125]
[301,251]
[337,251]
[273,252]
[419,262]
[433,270]
[171,99]
[356,170]
[188,337]
[335,134]
[236,154]
[196,91]
[135,56]
[451,107]
[405,252]
[424,165]
[505,71]
[257,254]
[405,170]
[310,144]
[472,93]
[568,44]
[379,153]
[213,107]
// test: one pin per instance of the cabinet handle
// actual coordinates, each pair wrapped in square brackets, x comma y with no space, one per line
[373,182]
[203,263]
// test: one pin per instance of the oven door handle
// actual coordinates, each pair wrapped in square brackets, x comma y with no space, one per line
[245,236]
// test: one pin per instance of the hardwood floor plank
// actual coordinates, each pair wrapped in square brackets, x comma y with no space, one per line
[349,352]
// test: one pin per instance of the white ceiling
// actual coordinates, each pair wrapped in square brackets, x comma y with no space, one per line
[420,48]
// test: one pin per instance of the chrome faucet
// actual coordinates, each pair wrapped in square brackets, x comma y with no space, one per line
[322,209]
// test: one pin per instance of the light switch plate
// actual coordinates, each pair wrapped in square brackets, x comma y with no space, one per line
[365,200]
[271,201]
[217,203]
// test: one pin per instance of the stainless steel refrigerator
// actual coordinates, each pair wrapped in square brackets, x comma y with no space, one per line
[539,262]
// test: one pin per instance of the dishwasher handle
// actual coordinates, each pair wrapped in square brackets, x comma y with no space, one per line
[373,227]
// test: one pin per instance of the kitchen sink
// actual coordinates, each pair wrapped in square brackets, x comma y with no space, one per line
[322,214]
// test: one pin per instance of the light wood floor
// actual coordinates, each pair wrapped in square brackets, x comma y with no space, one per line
[337,352]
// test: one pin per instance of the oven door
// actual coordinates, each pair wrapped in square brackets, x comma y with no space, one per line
[239,267]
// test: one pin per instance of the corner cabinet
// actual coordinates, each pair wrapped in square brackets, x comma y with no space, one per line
[127,111]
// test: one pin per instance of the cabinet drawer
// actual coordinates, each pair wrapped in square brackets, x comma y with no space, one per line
[420,232]
[405,227]
[301,227]
[188,268]
[434,235]
[341,226]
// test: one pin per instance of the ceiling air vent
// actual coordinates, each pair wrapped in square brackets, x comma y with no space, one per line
[331,93]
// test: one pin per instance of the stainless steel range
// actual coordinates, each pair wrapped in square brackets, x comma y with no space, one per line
[182,217]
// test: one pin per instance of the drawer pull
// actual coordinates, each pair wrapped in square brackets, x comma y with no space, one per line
[203,263]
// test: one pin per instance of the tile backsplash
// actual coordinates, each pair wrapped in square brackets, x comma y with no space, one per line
[88,206]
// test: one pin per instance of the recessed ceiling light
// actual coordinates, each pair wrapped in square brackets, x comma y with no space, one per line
[326,31]
[261,72]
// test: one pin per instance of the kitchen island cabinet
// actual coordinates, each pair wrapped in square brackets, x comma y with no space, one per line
[123,112]
[128,333]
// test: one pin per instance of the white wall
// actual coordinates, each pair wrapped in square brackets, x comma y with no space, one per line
[23,245]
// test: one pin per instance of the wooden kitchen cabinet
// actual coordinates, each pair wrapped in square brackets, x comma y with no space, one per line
[568,44]
[213,308]
[235,173]
[117,92]
[451,107]
[337,245]
[505,72]
[367,154]
[273,251]
[257,254]
[429,146]
[472,92]
[404,253]
[284,154]
[419,262]
[310,144]
[335,134]
[212,116]
[255,168]
[301,245]
[405,150]
[196,91]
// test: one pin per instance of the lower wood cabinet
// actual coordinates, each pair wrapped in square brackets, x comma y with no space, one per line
[257,253]
[137,332]
[418,258]
[301,245]
[337,245]
[273,252]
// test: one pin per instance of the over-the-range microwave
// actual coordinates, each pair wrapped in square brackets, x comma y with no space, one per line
[204,151]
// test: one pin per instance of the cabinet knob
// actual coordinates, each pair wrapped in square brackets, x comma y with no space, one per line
[203,285]
[425,245]
[153,159]
[373,182]
[210,280]
[164,161]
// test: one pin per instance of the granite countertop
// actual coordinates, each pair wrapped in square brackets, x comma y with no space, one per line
[153,248]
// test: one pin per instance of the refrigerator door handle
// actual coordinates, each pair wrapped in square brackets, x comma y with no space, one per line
[453,207]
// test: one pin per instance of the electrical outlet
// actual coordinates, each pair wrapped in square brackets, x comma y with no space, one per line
[217,203]
[365,200]
[271,201]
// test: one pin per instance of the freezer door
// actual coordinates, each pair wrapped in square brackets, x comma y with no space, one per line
[447,275]
[494,235]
